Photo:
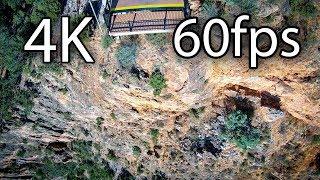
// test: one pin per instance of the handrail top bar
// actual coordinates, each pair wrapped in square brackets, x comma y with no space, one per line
[119,5]
[158,6]
[149,9]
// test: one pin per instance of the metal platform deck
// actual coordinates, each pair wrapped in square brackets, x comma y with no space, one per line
[144,16]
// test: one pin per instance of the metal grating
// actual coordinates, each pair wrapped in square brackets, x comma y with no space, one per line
[141,18]
[144,21]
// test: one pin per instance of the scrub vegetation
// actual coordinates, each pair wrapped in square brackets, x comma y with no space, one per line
[126,55]
[209,9]
[106,41]
[99,122]
[302,8]
[157,82]
[304,12]
[154,133]
[75,21]
[247,6]
[18,19]
[197,112]
[136,151]
[238,130]
[84,165]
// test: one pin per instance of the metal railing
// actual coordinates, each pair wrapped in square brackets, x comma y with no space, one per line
[163,24]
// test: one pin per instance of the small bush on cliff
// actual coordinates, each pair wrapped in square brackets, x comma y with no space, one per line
[23,99]
[106,41]
[303,8]
[238,130]
[136,151]
[247,6]
[99,122]
[112,156]
[126,55]
[113,116]
[197,112]
[154,135]
[157,82]
[209,9]
[316,139]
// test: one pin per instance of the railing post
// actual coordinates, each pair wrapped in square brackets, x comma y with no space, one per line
[186,9]
[165,20]
[112,24]
[131,25]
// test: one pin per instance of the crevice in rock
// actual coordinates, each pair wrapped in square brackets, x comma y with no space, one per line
[57,146]
[267,99]
[205,144]
[158,175]
[239,103]
[125,175]
[54,128]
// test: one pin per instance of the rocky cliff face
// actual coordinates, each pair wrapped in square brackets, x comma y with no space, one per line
[110,115]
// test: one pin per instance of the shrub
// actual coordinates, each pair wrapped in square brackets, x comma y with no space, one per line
[83,149]
[84,164]
[44,8]
[99,122]
[106,41]
[105,74]
[158,40]
[17,22]
[305,9]
[140,169]
[64,90]
[54,67]
[126,55]
[75,21]
[23,98]
[21,153]
[146,145]
[113,116]
[247,6]
[11,95]
[196,112]
[157,82]
[209,9]
[111,156]
[136,151]
[316,139]
[159,175]
[67,115]
[238,130]
[154,135]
